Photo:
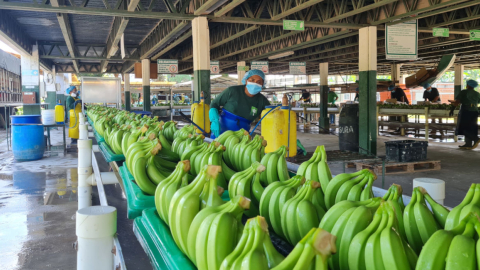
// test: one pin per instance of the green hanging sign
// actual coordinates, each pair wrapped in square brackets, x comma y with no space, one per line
[475,35]
[441,32]
[293,25]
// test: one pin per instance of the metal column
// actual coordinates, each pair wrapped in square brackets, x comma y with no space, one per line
[368,90]
[323,121]
[458,85]
[146,84]
[201,59]
[126,88]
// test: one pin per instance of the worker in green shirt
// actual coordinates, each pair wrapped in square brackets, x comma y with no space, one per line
[332,97]
[72,97]
[243,101]
[467,123]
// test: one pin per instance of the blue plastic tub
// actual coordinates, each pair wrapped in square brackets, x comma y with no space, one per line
[28,142]
[143,113]
[230,121]
[26,119]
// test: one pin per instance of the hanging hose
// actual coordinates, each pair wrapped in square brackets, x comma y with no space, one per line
[251,133]
[74,106]
[289,110]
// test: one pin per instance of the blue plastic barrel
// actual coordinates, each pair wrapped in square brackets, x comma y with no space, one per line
[28,142]
[230,121]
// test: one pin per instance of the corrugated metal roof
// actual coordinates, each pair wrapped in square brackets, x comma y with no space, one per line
[90,29]
[38,25]
[138,29]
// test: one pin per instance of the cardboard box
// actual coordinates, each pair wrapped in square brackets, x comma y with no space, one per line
[29,97]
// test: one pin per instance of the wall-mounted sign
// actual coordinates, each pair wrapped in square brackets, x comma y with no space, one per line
[260,65]
[401,41]
[214,67]
[167,66]
[243,68]
[441,32]
[474,34]
[293,25]
[298,68]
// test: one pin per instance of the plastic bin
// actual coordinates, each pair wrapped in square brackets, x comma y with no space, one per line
[406,150]
[143,113]
[230,121]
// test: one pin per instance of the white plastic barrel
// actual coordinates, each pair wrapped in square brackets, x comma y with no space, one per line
[435,187]
[48,117]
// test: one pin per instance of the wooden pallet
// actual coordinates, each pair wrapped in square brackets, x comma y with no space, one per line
[400,167]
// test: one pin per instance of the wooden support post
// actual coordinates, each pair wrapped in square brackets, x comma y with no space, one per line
[402,129]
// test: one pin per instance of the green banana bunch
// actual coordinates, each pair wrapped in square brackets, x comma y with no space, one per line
[254,250]
[227,172]
[350,186]
[471,203]
[312,252]
[184,132]
[242,183]
[273,199]
[250,153]
[394,194]
[234,154]
[189,150]
[229,133]
[378,245]
[440,213]
[419,222]
[230,143]
[169,129]
[139,171]
[453,249]
[142,146]
[168,187]
[299,214]
[276,165]
[187,202]
[215,232]
[116,139]
[136,134]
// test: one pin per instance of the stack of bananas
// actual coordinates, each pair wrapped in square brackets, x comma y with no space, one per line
[273,199]
[420,222]
[208,154]
[254,250]
[214,233]
[114,139]
[350,186]
[344,220]
[189,200]
[179,145]
[394,194]
[316,169]
[239,156]
[471,203]
[455,249]
[167,188]
[276,165]
[169,130]
[299,214]
[247,183]
[312,252]
[377,245]
[222,139]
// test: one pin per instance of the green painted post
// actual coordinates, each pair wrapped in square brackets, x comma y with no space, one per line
[458,80]
[126,89]
[201,59]
[146,84]
[324,121]
[201,83]
[368,90]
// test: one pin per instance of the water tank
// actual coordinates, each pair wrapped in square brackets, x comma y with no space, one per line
[28,142]
[348,128]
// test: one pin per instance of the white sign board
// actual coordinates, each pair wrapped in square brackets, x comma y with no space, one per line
[167,66]
[30,77]
[260,65]
[401,41]
[214,67]
[101,90]
[298,68]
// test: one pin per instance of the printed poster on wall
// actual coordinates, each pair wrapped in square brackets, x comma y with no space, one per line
[298,68]
[214,67]
[401,41]
[167,66]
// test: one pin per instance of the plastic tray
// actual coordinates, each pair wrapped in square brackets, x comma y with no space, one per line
[108,153]
[97,136]
[157,241]
[137,200]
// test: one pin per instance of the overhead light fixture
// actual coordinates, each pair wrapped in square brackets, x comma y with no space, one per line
[280,55]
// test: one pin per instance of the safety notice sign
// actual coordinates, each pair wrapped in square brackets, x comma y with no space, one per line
[298,68]
[401,41]
[214,67]
[260,65]
[166,66]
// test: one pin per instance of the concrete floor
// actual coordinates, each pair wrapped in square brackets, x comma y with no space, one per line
[38,200]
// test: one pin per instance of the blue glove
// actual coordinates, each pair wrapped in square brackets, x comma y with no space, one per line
[215,121]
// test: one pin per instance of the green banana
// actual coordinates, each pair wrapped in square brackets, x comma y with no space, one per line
[439,211]
[335,184]
[453,217]
[426,223]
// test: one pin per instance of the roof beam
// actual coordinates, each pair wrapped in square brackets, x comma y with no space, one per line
[12,34]
[228,7]
[296,9]
[280,23]
[118,27]
[173,45]
[461,20]
[64,23]
[359,10]
[203,8]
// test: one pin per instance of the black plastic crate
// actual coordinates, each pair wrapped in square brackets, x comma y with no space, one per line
[406,150]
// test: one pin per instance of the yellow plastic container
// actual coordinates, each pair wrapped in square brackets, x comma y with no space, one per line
[275,130]
[200,116]
[74,124]
[59,114]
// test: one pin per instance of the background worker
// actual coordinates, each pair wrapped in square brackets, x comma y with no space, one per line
[398,94]
[244,101]
[431,94]
[332,97]
[306,96]
[72,97]
[467,123]
[357,97]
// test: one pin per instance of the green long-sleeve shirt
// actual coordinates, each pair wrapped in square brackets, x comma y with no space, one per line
[69,103]
[234,100]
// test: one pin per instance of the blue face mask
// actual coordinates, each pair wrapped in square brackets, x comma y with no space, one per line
[393,91]
[429,90]
[253,88]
